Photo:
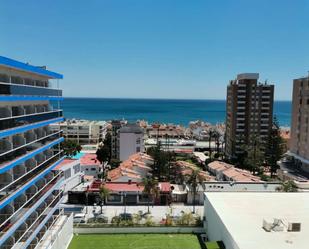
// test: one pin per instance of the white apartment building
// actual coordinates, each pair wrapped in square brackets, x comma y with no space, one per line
[82,131]
[131,141]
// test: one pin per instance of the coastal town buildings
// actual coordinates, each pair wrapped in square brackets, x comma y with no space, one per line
[299,142]
[249,112]
[29,153]
[131,141]
[82,131]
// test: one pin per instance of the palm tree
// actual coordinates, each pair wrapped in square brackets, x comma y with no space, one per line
[104,193]
[210,135]
[193,181]
[151,188]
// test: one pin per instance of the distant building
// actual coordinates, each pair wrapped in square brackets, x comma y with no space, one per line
[131,141]
[227,172]
[299,142]
[249,112]
[116,125]
[82,131]
[257,220]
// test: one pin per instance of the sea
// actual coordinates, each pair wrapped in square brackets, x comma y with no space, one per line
[176,111]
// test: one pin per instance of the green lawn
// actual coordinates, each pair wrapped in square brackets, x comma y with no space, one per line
[135,241]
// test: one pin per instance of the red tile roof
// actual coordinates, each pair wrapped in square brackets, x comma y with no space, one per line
[63,163]
[89,159]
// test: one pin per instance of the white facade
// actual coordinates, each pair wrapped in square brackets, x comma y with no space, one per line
[131,141]
[237,219]
[82,131]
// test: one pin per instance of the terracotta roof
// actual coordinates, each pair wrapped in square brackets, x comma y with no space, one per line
[217,165]
[89,159]
[165,187]
[127,187]
[63,163]
[126,168]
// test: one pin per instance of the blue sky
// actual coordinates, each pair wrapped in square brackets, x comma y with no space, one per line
[162,48]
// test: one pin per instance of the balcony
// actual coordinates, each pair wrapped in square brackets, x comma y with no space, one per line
[32,178]
[24,223]
[29,175]
[14,150]
[24,119]
[28,90]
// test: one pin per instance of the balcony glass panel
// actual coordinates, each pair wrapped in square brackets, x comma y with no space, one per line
[24,120]
[16,89]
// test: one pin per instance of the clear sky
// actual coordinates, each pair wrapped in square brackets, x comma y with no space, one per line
[160,48]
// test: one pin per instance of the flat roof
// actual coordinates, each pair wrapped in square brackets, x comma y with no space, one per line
[10,63]
[242,214]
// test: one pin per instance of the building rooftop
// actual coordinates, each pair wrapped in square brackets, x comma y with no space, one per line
[21,66]
[131,128]
[242,214]
[89,159]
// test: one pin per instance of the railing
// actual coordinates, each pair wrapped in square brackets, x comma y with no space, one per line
[5,225]
[41,139]
[14,122]
[11,196]
[18,183]
[10,163]
[20,89]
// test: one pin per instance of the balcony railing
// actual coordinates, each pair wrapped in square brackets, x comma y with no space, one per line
[20,89]
[25,213]
[13,122]
[51,184]
[28,149]
[6,198]
[21,181]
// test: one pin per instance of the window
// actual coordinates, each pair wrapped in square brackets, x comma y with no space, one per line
[138,149]
[93,169]
[138,141]
[67,173]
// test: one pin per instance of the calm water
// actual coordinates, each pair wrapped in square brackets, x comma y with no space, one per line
[155,110]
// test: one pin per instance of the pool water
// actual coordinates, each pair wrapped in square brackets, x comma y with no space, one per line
[78,155]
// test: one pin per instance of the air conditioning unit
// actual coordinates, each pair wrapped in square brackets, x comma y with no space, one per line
[294,227]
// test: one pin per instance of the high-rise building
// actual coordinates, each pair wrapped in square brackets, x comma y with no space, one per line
[249,112]
[29,152]
[299,143]
[116,125]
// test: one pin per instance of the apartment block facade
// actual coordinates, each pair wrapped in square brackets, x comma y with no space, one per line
[30,187]
[299,143]
[249,112]
[82,131]
[115,150]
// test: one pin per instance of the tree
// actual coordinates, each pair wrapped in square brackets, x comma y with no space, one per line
[70,148]
[161,161]
[274,148]
[210,135]
[254,155]
[151,189]
[193,181]
[288,186]
[104,193]
[104,152]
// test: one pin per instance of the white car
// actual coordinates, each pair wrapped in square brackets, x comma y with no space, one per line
[79,218]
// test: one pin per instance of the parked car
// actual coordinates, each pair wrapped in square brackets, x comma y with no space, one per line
[79,218]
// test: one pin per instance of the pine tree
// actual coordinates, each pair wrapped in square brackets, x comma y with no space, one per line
[274,147]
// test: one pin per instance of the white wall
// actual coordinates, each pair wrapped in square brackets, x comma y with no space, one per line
[127,144]
[65,236]
[215,229]
[134,230]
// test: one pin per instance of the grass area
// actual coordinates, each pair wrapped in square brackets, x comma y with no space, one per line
[135,241]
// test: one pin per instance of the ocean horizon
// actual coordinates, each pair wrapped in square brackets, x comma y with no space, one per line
[177,111]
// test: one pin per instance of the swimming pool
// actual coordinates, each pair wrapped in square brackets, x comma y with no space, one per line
[78,155]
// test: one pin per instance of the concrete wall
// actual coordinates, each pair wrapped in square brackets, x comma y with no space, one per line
[215,229]
[128,145]
[121,230]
